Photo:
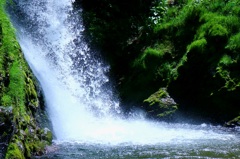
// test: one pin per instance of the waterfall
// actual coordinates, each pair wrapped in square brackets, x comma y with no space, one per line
[77,91]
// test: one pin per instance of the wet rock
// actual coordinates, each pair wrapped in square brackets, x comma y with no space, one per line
[47,135]
[50,149]
[6,128]
[160,104]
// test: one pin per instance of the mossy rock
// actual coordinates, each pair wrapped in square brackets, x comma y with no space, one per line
[14,152]
[160,104]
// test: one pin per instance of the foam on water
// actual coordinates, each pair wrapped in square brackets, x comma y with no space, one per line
[78,95]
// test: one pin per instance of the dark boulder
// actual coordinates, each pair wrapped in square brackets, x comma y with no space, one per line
[160,104]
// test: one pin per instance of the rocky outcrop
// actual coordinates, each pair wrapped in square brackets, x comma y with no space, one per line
[20,135]
[160,104]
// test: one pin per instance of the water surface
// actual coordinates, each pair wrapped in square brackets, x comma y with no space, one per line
[218,143]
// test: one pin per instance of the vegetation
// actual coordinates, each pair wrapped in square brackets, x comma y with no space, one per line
[19,93]
[190,47]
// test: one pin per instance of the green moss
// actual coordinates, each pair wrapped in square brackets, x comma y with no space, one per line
[161,103]
[218,30]
[18,90]
[215,24]
[9,63]
[14,152]
[226,60]
[231,82]
[155,98]
[234,43]
[32,146]
[205,55]
[31,93]
[149,56]
[197,44]
[6,100]
[17,84]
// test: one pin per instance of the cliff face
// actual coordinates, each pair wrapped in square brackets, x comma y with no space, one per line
[191,48]
[20,135]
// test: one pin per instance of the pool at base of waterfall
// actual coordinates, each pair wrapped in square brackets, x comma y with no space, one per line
[198,149]
[208,148]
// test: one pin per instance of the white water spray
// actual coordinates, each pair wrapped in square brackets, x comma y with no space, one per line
[79,99]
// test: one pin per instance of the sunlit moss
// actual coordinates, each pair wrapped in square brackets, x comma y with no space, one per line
[18,91]
[161,103]
[6,100]
[226,60]
[234,43]
[14,152]
[197,44]
[153,55]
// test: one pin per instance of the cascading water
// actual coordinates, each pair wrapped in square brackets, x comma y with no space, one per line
[73,79]
[78,94]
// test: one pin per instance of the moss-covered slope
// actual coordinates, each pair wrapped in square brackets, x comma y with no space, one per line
[18,97]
